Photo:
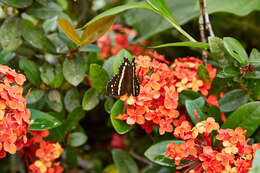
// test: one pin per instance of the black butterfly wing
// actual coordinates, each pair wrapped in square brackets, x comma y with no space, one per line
[135,85]
[117,86]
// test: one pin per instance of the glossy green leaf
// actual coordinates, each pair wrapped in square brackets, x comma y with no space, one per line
[119,58]
[246,116]
[254,57]
[31,71]
[98,77]
[72,99]
[37,39]
[74,70]
[58,78]
[192,105]
[185,44]
[69,30]
[77,139]
[47,11]
[120,126]
[34,96]
[6,57]
[42,120]
[231,71]
[47,74]
[156,153]
[10,34]
[109,102]
[124,161]
[236,50]
[54,100]
[202,73]
[73,118]
[117,10]
[90,99]
[232,100]
[17,3]
[94,58]
[188,95]
[90,48]
[96,30]
[256,163]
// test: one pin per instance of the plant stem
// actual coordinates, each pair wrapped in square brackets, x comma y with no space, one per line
[202,32]
[137,157]
[207,21]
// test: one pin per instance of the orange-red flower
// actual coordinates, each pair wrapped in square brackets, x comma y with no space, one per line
[198,153]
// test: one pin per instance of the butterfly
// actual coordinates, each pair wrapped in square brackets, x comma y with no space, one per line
[125,81]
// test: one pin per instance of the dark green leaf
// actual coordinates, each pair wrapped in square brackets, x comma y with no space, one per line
[31,71]
[74,70]
[42,120]
[246,116]
[108,105]
[124,162]
[47,74]
[157,169]
[35,96]
[98,77]
[58,79]
[90,99]
[6,57]
[231,71]
[236,50]
[57,134]
[72,99]
[90,48]
[156,153]
[10,34]
[17,3]
[188,95]
[73,118]
[54,100]
[185,44]
[94,58]
[254,57]
[71,157]
[119,58]
[77,139]
[192,105]
[202,73]
[252,75]
[232,100]
[37,39]
[120,126]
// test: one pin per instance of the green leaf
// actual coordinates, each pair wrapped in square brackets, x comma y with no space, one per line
[236,50]
[202,73]
[74,70]
[90,48]
[188,95]
[73,118]
[6,57]
[232,100]
[109,105]
[156,153]
[17,3]
[256,163]
[47,74]
[77,139]
[252,75]
[192,105]
[157,169]
[185,44]
[34,96]
[72,99]
[231,71]
[90,99]
[124,162]
[246,116]
[120,126]
[98,77]
[31,71]
[58,79]
[37,39]
[219,52]
[254,57]
[10,34]
[47,11]
[54,100]
[118,9]
[94,58]
[119,58]
[71,157]
[42,120]
[96,30]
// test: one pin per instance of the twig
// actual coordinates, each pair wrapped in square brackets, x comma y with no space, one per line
[137,157]
[207,21]
[202,31]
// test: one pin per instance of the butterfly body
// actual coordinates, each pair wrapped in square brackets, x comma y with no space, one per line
[125,81]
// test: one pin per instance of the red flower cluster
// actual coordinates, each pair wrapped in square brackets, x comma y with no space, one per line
[40,155]
[160,86]
[14,116]
[119,38]
[229,153]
